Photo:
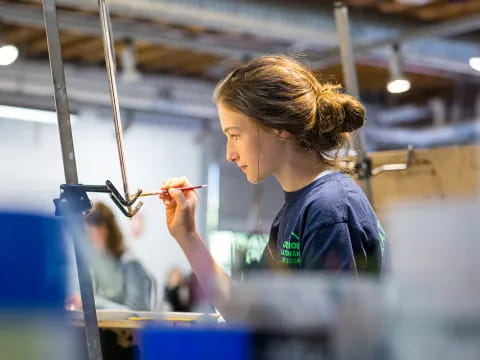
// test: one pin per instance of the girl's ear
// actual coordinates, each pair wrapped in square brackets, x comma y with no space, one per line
[282,134]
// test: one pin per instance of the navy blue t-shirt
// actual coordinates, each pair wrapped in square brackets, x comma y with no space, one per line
[328,225]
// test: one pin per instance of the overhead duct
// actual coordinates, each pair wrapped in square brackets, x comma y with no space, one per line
[402,115]
[158,94]
[381,138]
[435,110]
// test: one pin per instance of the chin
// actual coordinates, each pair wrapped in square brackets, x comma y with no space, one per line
[255,179]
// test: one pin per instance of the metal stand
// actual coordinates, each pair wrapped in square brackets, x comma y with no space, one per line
[73,200]
[363,165]
[69,205]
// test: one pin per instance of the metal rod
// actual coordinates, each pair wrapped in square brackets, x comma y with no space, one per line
[346,51]
[76,229]
[351,80]
[60,91]
[69,164]
[109,50]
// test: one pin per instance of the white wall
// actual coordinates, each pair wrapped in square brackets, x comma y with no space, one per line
[31,171]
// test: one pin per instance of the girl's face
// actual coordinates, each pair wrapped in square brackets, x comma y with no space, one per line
[256,151]
[98,236]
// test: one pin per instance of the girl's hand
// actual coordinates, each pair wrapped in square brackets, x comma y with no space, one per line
[179,207]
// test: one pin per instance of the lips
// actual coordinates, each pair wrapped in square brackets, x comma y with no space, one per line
[243,167]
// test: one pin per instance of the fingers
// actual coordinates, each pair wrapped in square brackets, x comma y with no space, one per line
[177,196]
[168,201]
[173,182]
[170,183]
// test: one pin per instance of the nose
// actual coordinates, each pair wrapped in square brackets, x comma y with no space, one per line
[231,155]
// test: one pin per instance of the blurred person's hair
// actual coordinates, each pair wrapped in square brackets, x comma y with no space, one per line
[102,215]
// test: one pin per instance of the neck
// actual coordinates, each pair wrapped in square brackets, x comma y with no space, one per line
[299,168]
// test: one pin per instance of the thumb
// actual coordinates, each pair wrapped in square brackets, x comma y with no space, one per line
[178,196]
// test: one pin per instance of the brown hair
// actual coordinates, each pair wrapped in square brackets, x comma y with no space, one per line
[278,92]
[102,215]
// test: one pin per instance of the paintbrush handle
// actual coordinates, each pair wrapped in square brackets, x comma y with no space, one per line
[180,188]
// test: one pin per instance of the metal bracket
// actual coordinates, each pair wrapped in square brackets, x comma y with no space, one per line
[363,168]
[74,199]
[396,167]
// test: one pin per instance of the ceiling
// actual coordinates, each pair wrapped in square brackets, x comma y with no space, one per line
[201,40]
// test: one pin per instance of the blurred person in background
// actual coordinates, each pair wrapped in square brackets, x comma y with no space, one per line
[119,280]
[177,292]
[183,293]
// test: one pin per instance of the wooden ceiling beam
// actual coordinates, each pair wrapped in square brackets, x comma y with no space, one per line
[17,35]
[363,3]
[39,45]
[393,7]
[163,62]
[99,56]
[86,46]
[198,67]
[445,11]
[152,53]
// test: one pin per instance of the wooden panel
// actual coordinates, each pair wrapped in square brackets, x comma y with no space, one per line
[39,45]
[169,61]
[434,10]
[98,56]
[151,54]
[85,47]
[198,66]
[373,79]
[436,174]
[17,35]
[446,11]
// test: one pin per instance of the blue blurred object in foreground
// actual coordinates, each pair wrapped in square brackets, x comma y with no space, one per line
[195,343]
[33,324]
[33,263]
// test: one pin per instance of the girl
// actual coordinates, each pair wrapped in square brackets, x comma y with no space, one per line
[119,279]
[280,120]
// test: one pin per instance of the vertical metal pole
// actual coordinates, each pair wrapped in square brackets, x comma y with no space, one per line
[60,92]
[74,221]
[109,50]
[351,81]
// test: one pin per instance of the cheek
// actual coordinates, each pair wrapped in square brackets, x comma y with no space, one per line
[96,235]
[248,149]
[270,151]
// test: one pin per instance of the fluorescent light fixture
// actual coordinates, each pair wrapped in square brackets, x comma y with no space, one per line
[8,54]
[398,82]
[33,115]
[474,63]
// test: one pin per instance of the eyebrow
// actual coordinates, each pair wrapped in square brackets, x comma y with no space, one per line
[226,130]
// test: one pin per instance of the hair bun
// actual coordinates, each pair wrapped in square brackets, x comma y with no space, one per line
[337,112]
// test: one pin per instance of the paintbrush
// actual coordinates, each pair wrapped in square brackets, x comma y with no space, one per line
[180,188]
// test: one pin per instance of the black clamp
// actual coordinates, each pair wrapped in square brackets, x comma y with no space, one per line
[74,199]
[363,168]
[396,167]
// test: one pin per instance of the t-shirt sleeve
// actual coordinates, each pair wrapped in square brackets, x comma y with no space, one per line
[328,248]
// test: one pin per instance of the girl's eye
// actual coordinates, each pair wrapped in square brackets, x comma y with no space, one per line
[235,137]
